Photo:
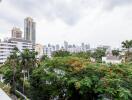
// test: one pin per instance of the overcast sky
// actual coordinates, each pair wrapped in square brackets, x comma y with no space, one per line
[107,22]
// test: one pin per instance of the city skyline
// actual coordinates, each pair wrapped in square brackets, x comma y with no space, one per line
[88,21]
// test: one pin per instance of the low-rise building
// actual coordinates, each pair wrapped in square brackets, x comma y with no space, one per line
[112,59]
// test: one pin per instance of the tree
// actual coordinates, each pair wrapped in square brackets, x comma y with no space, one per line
[127,45]
[115,52]
[61,53]
[44,57]
[50,72]
[85,55]
[75,78]
[55,79]
[98,54]
[12,69]
[28,62]
[17,67]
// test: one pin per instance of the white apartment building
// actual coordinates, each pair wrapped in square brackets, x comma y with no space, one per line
[112,59]
[109,58]
[7,46]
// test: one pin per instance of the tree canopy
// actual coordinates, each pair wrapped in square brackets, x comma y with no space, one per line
[68,76]
[61,53]
[64,78]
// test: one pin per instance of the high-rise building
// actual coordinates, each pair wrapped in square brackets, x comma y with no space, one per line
[87,47]
[30,30]
[16,33]
[57,47]
[65,45]
[107,47]
[83,46]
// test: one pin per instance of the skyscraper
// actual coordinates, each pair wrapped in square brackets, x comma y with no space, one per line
[30,30]
[65,45]
[16,33]
[83,46]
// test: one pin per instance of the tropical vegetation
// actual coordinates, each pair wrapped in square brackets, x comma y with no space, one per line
[68,76]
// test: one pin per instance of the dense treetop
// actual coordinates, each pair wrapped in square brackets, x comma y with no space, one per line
[69,76]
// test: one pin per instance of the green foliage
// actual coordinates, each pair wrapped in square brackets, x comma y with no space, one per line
[61,53]
[85,55]
[115,52]
[127,45]
[68,76]
[44,57]
[61,78]
[7,71]
[28,59]
[98,54]
[13,69]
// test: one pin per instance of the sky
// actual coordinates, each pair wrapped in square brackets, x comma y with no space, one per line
[97,22]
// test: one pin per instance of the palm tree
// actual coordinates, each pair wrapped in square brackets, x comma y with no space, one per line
[127,45]
[13,60]
[44,57]
[24,64]
[28,62]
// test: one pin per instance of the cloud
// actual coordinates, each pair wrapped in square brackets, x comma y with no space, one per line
[66,10]
[10,14]
[73,20]
[70,11]
[111,4]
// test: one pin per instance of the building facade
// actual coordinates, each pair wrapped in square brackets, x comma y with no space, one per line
[112,59]
[16,33]
[7,46]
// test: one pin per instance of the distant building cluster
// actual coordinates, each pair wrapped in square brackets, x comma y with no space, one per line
[29,42]
[49,49]
[72,48]
[16,40]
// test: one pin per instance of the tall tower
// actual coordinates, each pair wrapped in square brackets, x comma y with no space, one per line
[65,45]
[30,30]
[16,33]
